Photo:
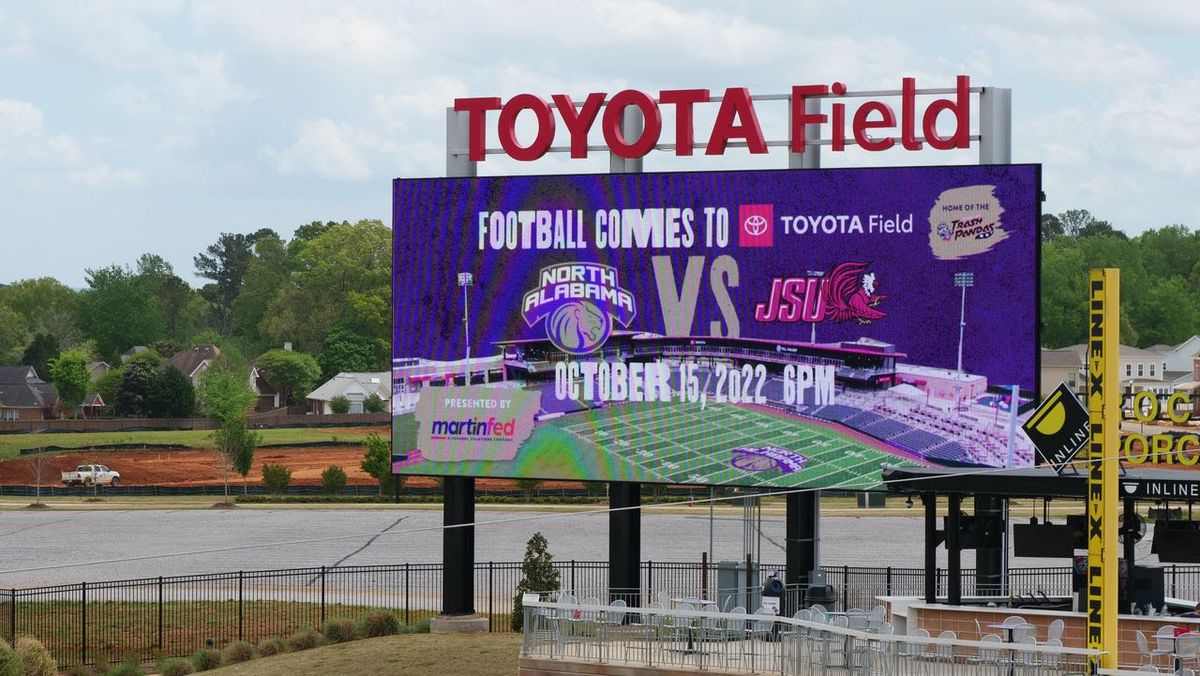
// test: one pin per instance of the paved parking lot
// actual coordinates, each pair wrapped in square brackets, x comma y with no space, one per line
[203,541]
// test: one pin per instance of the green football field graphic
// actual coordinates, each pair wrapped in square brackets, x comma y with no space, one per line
[673,443]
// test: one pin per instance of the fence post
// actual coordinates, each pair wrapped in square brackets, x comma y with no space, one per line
[83,643]
[573,589]
[13,614]
[650,578]
[406,616]
[845,588]
[491,596]
[160,613]
[889,580]
[241,622]
[322,594]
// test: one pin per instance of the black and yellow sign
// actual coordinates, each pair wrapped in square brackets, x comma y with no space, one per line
[1104,405]
[1058,428]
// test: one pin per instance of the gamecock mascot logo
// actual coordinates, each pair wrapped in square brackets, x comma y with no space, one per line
[853,293]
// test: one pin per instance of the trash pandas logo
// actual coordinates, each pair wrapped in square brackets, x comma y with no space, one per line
[767,458]
[756,224]
[578,302]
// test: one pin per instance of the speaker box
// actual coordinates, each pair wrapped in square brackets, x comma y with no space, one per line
[1044,540]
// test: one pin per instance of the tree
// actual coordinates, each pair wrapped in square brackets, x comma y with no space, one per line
[538,575]
[40,464]
[71,378]
[108,384]
[333,480]
[41,351]
[171,395]
[267,270]
[225,394]
[1052,227]
[12,335]
[45,305]
[235,449]
[118,311]
[529,487]
[346,351]
[374,403]
[292,374]
[377,460]
[138,375]
[339,405]
[276,478]
[225,263]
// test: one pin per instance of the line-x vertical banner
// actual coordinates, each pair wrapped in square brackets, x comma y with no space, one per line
[1104,408]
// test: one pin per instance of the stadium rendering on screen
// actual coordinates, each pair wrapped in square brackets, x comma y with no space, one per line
[744,328]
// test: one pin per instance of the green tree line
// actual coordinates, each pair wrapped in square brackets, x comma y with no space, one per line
[327,291]
[1160,279]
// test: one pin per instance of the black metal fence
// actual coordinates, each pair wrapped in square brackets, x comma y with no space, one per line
[172,616]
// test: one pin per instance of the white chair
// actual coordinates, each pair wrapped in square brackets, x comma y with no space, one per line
[1051,660]
[876,617]
[1019,634]
[945,653]
[818,607]
[1187,646]
[1148,669]
[1026,659]
[1145,654]
[1055,632]
[1164,640]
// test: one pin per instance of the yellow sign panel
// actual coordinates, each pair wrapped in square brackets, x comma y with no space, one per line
[1104,407]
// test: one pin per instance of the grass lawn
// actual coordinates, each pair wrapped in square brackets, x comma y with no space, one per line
[458,654]
[11,444]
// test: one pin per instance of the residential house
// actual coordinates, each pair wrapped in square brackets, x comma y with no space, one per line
[355,387]
[194,362]
[267,396]
[1066,365]
[1138,370]
[136,349]
[25,396]
[93,406]
[97,369]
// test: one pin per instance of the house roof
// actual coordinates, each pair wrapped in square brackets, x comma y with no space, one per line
[378,383]
[189,361]
[136,349]
[1071,356]
[20,387]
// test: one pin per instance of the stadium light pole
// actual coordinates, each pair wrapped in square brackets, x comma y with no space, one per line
[465,279]
[963,280]
[815,273]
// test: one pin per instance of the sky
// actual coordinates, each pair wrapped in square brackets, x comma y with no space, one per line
[134,126]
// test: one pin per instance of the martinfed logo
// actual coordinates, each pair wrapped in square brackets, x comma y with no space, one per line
[474,429]
[578,302]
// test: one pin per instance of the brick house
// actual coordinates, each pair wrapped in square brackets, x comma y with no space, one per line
[25,396]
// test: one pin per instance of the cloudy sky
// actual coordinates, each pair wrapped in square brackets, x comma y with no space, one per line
[129,126]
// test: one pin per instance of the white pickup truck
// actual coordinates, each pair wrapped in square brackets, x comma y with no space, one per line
[91,475]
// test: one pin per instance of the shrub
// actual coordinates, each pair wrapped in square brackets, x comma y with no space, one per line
[333,480]
[339,404]
[175,667]
[373,403]
[126,669]
[35,657]
[10,661]
[538,574]
[340,630]
[305,639]
[276,478]
[378,623]
[238,651]
[271,646]
[206,658]
[422,626]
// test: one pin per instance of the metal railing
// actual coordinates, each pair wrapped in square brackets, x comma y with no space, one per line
[168,616]
[762,643]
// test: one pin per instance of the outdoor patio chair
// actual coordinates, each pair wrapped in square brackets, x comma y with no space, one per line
[1055,631]
[1026,660]
[1164,640]
[992,654]
[876,617]
[1024,631]
[1187,646]
[1145,654]
[1051,661]
[945,653]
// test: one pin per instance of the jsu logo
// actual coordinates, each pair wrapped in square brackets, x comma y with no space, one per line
[756,224]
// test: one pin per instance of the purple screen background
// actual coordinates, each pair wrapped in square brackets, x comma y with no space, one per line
[435,226]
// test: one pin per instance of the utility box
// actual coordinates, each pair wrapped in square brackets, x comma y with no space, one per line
[735,587]
[872,500]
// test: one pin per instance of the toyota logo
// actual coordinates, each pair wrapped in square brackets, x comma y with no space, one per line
[755,225]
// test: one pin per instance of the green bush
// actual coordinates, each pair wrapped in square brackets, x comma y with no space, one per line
[422,626]
[339,404]
[35,658]
[126,669]
[305,639]
[340,630]
[276,478]
[10,661]
[236,652]
[206,658]
[378,623]
[271,646]
[333,480]
[373,403]
[175,667]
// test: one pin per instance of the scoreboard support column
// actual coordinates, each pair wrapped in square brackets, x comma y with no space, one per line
[458,546]
[990,552]
[801,539]
[625,542]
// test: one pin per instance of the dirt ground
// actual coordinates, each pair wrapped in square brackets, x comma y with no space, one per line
[199,467]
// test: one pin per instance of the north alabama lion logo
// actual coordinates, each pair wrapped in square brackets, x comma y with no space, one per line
[578,303]
[854,294]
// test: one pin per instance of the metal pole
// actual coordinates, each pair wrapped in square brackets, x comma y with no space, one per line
[953,552]
[467,336]
[962,324]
